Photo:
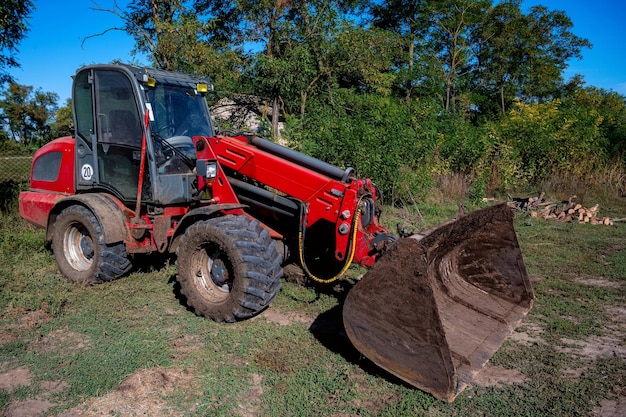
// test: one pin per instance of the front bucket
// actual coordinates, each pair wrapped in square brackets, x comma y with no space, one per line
[437,306]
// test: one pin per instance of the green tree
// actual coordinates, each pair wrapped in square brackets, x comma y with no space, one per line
[363,60]
[27,113]
[194,36]
[13,28]
[438,39]
[310,48]
[271,29]
[610,105]
[522,56]
[321,50]
[406,19]
[554,137]
[449,39]
[389,140]
[153,24]
[63,124]
[551,46]
[501,52]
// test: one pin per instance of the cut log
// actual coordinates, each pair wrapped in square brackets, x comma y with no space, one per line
[564,211]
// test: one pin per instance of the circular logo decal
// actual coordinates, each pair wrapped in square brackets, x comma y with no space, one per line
[86,172]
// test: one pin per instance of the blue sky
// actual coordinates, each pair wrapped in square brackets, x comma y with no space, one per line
[53,50]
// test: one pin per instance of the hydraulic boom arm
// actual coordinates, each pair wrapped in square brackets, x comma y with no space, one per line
[327,205]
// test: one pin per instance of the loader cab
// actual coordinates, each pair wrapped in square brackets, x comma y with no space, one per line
[114,107]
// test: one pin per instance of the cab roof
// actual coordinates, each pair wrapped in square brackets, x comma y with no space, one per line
[143,74]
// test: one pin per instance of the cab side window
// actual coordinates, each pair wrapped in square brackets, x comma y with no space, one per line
[118,118]
[83,107]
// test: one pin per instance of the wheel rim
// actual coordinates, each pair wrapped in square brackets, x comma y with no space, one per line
[78,247]
[212,276]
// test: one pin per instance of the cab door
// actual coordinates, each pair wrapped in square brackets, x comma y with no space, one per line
[108,125]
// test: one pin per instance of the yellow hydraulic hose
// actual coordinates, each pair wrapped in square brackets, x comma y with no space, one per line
[351,245]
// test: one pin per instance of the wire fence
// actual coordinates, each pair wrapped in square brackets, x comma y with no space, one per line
[14,168]
[14,175]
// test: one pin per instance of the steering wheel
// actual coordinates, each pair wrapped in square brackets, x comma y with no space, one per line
[162,129]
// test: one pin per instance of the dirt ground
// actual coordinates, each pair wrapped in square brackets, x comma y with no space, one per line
[142,393]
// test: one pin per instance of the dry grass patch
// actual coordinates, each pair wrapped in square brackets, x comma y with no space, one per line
[598,282]
[528,334]
[186,345]
[20,377]
[14,378]
[611,343]
[611,408]
[141,394]
[371,397]
[62,339]
[25,321]
[251,400]
[597,347]
[498,376]
[273,315]
[33,319]
[28,408]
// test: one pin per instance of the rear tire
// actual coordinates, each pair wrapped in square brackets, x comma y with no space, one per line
[81,252]
[228,268]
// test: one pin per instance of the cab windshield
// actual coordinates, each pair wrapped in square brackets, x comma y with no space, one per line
[178,113]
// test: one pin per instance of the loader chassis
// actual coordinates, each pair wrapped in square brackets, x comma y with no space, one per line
[145,172]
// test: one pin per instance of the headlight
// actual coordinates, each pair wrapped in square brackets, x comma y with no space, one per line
[211,170]
[206,168]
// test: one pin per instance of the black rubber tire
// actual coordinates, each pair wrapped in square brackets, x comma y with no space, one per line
[81,252]
[228,268]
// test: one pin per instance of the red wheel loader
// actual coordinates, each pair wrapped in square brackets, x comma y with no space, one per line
[145,172]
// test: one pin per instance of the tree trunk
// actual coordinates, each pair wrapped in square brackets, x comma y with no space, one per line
[303,97]
[275,116]
[407,95]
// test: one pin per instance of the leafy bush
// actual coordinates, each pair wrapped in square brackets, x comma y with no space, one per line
[9,193]
[551,137]
[380,137]
[12,148]
[408,149]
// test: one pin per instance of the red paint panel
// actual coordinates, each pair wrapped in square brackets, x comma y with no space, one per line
[35,206]
[221,190]
[63,181]
[322,193]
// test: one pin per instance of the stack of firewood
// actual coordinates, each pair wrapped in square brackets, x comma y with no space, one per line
[565,211]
